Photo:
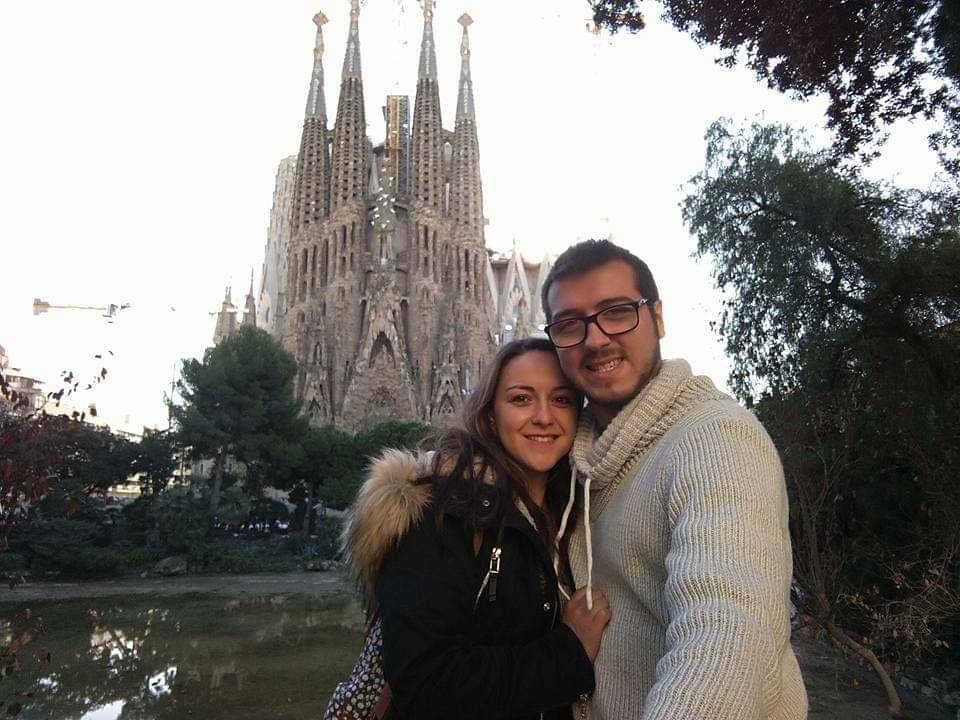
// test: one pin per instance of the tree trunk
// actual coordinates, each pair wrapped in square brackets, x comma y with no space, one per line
[896,706]
[218,466]
[308,515]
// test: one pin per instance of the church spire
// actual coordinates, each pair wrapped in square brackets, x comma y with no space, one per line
[428,53]
[349,135]
[465,109]
[466,193]
[427,150]
[351,62]
[316,103]
[310,203]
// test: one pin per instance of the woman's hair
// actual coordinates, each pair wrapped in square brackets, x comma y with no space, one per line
[469,455]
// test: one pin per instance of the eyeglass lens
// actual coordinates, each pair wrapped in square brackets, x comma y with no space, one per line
[612,321]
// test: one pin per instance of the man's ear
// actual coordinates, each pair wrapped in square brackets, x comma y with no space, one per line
[656,309]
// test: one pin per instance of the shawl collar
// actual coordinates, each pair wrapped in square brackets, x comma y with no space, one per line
[607,458]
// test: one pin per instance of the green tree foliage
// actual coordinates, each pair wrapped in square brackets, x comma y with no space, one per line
[180,517]
[328,464]
[877,62]
[155,461]
[842,300]
[238,402]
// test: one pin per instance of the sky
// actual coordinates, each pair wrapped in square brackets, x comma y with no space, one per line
[139,145]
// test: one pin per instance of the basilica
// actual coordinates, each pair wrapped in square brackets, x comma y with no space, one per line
[376,274]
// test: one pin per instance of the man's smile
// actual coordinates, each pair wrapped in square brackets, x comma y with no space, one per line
[604,366]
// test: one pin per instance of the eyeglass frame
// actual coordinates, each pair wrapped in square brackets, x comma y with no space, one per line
[587,319]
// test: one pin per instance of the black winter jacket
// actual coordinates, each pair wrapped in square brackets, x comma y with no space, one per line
[448,653]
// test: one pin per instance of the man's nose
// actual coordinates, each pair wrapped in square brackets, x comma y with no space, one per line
[596,338]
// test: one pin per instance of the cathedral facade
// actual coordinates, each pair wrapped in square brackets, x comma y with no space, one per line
[376,276]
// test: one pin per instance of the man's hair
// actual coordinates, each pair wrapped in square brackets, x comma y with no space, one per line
[583,257]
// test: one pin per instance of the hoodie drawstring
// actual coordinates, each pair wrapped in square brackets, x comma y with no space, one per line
[589,539]
[563,527]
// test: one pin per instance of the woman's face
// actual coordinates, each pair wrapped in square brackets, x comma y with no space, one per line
[535,411]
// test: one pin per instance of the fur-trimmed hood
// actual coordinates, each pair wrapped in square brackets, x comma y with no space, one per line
[389,503]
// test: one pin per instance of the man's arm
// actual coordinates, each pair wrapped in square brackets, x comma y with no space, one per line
[728,577]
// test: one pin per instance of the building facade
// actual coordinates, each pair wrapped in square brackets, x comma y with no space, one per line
[376,273]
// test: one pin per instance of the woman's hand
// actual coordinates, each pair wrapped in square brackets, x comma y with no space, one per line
[587,625]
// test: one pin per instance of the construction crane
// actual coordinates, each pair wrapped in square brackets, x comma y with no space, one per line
[109,311]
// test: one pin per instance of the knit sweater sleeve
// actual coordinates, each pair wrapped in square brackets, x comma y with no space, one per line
[728,576]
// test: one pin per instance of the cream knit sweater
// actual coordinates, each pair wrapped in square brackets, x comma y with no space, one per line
[690,543]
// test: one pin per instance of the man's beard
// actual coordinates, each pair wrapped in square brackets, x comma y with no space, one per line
[656,362]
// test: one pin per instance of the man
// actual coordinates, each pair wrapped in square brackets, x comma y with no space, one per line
[683,520]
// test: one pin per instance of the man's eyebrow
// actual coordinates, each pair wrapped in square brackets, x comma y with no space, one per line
[603,304]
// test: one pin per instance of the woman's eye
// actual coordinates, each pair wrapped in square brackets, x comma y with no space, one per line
[519,398]
[563,400]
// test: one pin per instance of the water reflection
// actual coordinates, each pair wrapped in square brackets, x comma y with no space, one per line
[188,657]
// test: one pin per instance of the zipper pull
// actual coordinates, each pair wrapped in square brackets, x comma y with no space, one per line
[494,572]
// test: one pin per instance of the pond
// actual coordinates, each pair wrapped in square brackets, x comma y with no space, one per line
[195,656]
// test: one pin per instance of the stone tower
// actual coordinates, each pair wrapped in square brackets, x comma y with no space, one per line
[385,300]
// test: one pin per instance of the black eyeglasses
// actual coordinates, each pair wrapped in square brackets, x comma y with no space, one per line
[614,320]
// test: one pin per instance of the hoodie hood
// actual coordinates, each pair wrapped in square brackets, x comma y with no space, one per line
[389,503]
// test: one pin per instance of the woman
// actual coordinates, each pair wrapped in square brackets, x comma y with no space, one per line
[459,553]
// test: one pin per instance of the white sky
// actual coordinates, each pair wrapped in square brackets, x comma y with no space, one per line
[139,144]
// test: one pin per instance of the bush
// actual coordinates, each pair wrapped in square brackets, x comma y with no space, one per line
[11,562]
[180,514]
[325,545]
[59,541]
[71,546]
[233,555]
[339,491]
[137,521]
[234,506]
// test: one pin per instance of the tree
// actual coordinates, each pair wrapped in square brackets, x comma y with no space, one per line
[877,62]
[238,403]
[840,316]
[155,461]
[328,463]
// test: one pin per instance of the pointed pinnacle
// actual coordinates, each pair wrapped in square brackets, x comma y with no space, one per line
[466,21]
[354,9]
[428,6]
[319,20]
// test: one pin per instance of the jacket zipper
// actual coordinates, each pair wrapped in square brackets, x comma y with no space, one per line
[494,572]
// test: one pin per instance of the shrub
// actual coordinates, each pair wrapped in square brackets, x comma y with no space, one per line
[137,521]
[11,562]
[59,541]
[234,506]
[180,514]
[323,545]
[230,555]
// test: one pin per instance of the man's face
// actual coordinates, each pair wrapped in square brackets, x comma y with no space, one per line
[609,370]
